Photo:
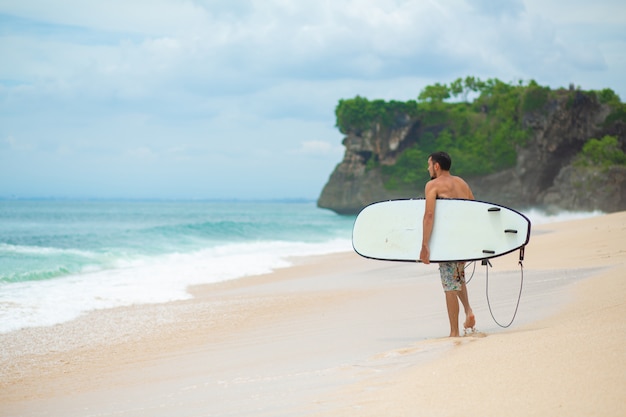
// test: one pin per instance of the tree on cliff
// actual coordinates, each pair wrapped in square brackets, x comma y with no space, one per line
[435,93]
[359,114]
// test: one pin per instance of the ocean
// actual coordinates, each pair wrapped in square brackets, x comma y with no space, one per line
[62,258]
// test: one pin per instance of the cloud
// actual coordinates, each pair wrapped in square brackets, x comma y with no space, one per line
[224,51]
[210,86]
[319,147]
[316,40]
[13,144]
[141,153]
[502,8]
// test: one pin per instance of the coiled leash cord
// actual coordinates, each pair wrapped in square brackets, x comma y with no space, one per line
[519,297]
[467,281]
[521,285]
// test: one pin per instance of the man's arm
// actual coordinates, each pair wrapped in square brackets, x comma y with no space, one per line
[430,193]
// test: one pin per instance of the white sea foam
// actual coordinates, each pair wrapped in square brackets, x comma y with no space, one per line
[540,216]
[38,250]
[145,280]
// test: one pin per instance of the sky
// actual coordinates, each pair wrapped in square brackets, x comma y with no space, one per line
[235,99]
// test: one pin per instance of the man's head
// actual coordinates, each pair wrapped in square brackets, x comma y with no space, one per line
[442,159]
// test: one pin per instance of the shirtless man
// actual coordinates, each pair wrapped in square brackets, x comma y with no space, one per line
[445,185]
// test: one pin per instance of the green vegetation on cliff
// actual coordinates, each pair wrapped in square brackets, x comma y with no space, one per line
[360,114]
[601,153]
[482,135]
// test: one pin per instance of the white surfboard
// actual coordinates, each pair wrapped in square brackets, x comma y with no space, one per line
[464,230]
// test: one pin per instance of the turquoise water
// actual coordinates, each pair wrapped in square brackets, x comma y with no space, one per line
[59,259]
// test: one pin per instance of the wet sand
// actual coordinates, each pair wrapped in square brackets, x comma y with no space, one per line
[340,335]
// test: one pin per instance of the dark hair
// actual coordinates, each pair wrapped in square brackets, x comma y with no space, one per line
[443,159]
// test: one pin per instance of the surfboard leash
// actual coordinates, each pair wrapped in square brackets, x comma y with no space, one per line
[467,281]
[519,297]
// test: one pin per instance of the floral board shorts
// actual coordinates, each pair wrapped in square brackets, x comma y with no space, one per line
[452,275]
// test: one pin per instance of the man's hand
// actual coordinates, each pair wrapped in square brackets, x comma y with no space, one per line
[425,255]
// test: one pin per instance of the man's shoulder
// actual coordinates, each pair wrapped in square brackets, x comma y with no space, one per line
[465,191]
[460,180]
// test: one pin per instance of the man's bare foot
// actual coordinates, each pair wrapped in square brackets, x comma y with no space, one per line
[470,321]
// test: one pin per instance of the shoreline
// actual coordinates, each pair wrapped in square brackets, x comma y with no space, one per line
[322,331]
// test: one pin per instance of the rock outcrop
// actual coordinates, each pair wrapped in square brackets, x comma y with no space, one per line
[543,176]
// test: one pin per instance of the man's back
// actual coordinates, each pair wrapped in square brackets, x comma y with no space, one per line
[449,186]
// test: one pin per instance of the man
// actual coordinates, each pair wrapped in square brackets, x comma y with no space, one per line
[445,185]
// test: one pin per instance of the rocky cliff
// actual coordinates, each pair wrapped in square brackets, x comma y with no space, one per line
[543,175]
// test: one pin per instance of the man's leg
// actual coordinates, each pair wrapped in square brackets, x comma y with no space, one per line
[453,281]
[452,302]
[470,320]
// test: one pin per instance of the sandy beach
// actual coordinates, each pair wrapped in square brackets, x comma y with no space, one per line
[340,335]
